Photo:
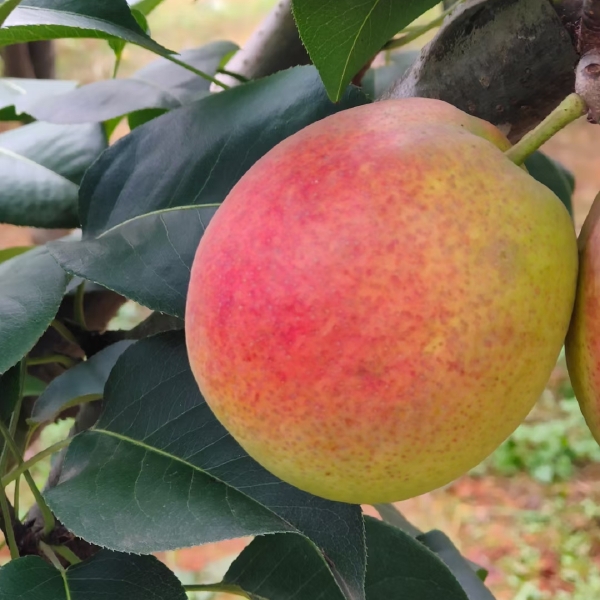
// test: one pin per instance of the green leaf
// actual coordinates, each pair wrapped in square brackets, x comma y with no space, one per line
[161,84]
[342,36]
[140,17]
[35,196]
[118,45]
[53,19]
[157,167]
[145,6]
[463,569]
[154,253]
[140,117]
[32,286]
[6,8]
[468,578]
[399,568]
[82,383]
[67,150]
[554,176]
[8,253]
[158,445]
[105,575]
[13,91]
[33,386]
[282,566]
[40,167]
[31,578]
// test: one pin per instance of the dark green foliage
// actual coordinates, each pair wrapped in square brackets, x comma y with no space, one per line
[106,575]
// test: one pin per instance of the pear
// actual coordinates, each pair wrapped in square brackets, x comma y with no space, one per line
[380,300]
[582,346]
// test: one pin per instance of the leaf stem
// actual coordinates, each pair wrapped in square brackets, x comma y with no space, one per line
[64,332]
[117,65]
[65,361]
[226,588]
[16,495]
[240,78]
[49,520]
[51,556]
[26,466]
[196,71]
[79,306]
[411,33]
[67,554]
[8,529]
[570,109]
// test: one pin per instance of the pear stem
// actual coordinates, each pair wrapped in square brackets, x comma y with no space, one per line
[569,110]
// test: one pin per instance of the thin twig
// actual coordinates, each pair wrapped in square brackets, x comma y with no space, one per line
[60,359]
[197,71]
[49,520]
[79,308]
[28,464]
[67,554]
[48,552]
[412,32]
[8,528]
[64,332]
[16,495]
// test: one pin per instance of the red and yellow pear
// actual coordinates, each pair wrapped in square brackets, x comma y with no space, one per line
[583,340]
[380,301]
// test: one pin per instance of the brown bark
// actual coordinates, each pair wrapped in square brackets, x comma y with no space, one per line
[32,60]
[589,36]
[510,62]
[569,12]
[587,82]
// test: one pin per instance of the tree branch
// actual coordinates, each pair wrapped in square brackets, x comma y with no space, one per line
[569,12]
[99,307]
[30,59]
[587,81]
[274,46]
[510,62]
[33,525]
[589,37]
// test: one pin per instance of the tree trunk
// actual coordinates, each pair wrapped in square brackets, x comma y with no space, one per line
[32,60]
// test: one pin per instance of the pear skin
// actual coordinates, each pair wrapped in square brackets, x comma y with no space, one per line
[380,301]
[582,346]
